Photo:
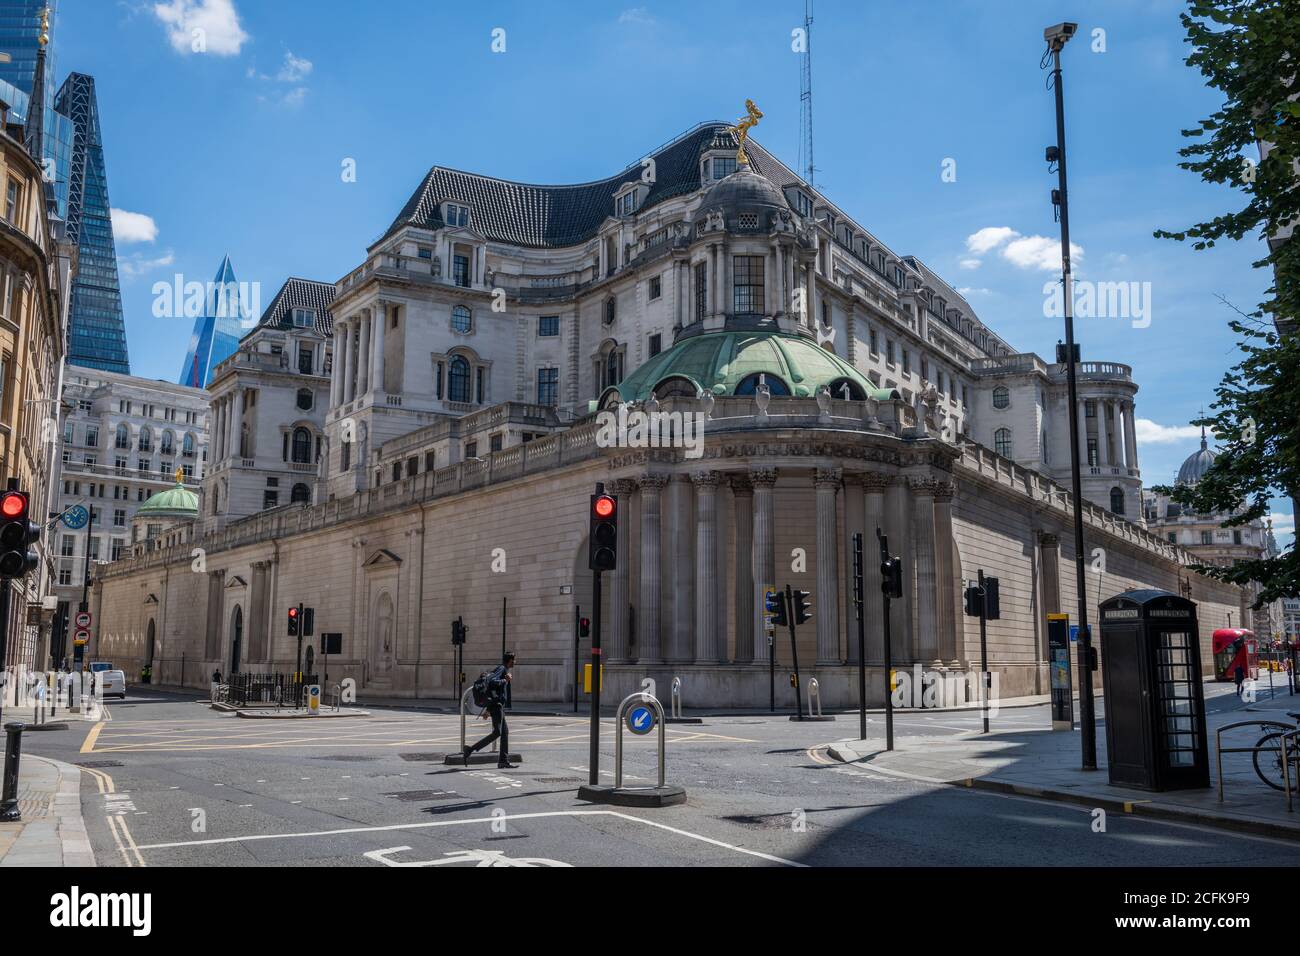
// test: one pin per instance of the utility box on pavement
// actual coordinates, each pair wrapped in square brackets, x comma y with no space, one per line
[1155,707]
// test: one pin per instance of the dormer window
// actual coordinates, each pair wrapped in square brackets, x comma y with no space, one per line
[723,166]
[627,203]
[456,215]
[304,318]
[802,204]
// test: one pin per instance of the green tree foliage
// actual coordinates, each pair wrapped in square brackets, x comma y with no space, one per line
[1250,51]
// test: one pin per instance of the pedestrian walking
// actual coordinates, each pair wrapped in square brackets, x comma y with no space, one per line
[491,691]
[1239,675]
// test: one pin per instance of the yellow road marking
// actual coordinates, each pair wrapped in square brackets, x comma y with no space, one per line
[88,745]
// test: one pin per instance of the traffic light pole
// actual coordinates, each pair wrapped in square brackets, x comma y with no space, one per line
[984,650]
[593,758]
[577,669]
[862,638]
[794,650]
[889,655]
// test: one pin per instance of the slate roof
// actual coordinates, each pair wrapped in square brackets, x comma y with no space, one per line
[524,214]
[300,294]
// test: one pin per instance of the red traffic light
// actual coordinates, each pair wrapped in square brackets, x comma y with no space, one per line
[293,612]
[603,506]
[14,504]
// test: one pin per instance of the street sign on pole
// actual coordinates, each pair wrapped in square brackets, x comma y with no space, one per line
[83,619]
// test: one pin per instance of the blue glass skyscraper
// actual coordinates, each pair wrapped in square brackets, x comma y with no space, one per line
[19,32]
[218,330]
[96,329]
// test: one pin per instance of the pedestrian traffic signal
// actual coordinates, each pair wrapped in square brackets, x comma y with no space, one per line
[294,621]
[775,602]
[17,532]
[802,609]
[584,627]
[891,577]
[602,538]
[458,630]
[308,621]
[992,607]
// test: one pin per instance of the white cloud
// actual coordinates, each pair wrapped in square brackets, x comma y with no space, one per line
[638,15]
[1151,433]
[990,237]
[967,290]
[1282,523]
[132,266]
[133,226]
[970,263]
[208,26]
[295,68]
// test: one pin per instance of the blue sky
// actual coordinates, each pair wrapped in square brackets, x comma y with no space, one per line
[239,148]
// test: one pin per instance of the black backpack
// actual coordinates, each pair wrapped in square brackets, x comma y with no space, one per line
[482,689]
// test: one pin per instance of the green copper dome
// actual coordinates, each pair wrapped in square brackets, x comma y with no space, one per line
[177,502]
[723,362]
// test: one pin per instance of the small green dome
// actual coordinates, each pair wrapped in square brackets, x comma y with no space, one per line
[177,502]
[721,362]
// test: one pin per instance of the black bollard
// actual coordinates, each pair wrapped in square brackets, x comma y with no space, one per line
[13,751]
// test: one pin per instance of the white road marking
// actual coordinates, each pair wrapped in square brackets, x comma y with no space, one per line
[252,837]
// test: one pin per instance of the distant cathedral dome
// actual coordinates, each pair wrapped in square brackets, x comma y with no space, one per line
[1197,464]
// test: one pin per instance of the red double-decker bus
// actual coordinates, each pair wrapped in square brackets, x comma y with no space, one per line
[1235,646]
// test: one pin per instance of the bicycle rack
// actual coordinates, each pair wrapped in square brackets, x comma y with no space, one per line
[338,696]
[677,698]
[814,698]
[1288,730]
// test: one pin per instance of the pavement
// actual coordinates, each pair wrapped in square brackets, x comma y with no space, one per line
[1047,765]
[52,831]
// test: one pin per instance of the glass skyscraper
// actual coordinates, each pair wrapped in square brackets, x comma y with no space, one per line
[96,329]
[218,330]
[19,28]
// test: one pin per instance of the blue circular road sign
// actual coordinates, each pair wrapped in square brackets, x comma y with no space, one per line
[76,517]
[640,719]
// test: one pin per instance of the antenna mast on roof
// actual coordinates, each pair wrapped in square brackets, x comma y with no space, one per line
[805,97]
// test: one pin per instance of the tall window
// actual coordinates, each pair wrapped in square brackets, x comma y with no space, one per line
[613,369]
[302,446]
[701,290]
[460,270]
[1002,442]
[187,445]
[548,325]
[460,319]
[146,439]
[305,359]
[1117,501]
[548,385]
[1092,452]
[747,284]
[1001,397]
[11,202]
[458,379]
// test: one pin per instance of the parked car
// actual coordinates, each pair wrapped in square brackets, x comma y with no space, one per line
[111,680]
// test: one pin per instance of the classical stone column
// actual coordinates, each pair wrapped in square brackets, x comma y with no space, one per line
[377,347]
[236,421]
[680,534]
[764,562]
[874,486]
[898,526]
[1083,435]
[619,593]
[742,496]
[709,644]
[345,366]
[1103,446]
[1130,437]
[927,584]
[649,649]
[1050,548]
[363,354]
[945,573]
[336,380]
[827,615]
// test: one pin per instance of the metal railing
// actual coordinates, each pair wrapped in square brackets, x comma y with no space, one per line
[1288,730]
[282,690]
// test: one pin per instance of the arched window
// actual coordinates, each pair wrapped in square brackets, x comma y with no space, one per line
[1001,397]
[611,310]
[187,444]
[146,439]
[1002,442]
[460,319]
[1117,500]
[302,446]
[123,439]
[300,493]
[305,399]
[613,372]
[846,388]
[166,443]
[676,387]
[749,384]
[458,379]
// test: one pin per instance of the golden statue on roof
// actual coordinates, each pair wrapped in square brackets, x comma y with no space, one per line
[742,128]
[180,475]
[44,37]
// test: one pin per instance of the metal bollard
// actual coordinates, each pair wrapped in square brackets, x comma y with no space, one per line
[677,698]
[814,698]
[618,740]
[13,753]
